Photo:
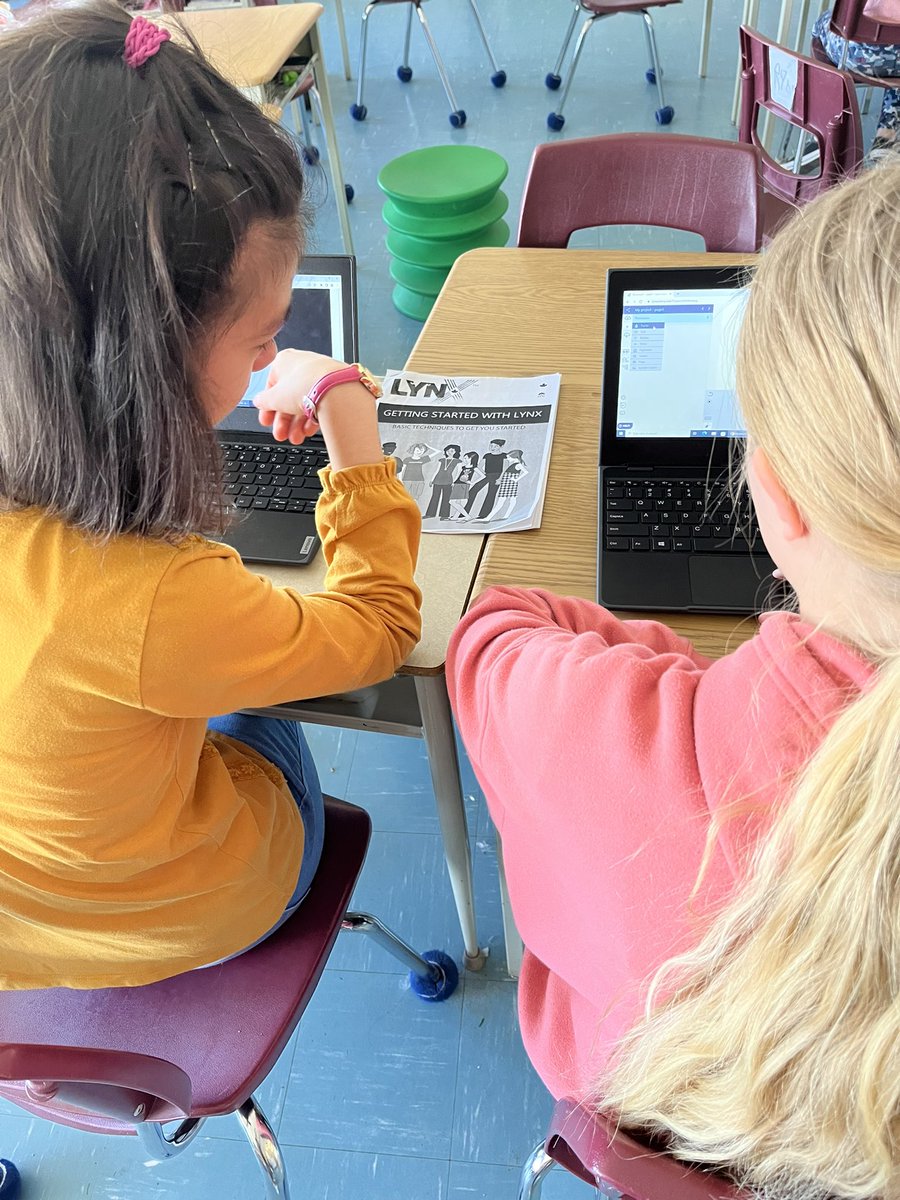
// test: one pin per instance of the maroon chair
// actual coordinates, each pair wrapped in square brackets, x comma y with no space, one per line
[822,104]
[849,21]
[126,1060]
[597,10]
[705,186]
[593,1148]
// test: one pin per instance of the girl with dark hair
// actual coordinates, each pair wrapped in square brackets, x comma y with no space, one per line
[150,233]
[442,483]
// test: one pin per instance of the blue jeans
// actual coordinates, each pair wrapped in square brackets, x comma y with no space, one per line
[877,61]
[283,743]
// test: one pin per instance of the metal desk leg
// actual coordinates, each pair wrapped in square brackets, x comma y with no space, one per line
[437,728]
[334,157]
[512,939]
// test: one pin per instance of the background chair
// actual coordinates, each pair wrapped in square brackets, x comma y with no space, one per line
[127,1060]
[817,98]
[594,1149]
[358,110]
[849,22]
[699,184]
[596,10]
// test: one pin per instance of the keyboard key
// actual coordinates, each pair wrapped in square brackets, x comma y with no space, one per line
[617,543]
[296,505]
[640,543]
[627,529]
[261,502]
[663,543]
[243,502]
[277,505]
[615,492]
[660,530]
[232,489]
[622,505]
[681,543]
[249,489]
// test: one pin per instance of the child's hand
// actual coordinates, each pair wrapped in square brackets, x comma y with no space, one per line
[292,374]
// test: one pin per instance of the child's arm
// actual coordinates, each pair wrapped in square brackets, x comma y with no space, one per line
[548,689]
[220,638]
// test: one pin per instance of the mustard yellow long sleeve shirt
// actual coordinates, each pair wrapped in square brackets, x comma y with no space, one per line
[132,845]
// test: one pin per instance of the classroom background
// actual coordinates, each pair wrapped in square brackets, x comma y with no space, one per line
[378,1096]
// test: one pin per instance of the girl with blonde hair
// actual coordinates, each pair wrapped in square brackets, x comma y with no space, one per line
[717,844]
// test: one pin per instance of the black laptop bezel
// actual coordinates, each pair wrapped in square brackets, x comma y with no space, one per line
[245,421]
[683,453]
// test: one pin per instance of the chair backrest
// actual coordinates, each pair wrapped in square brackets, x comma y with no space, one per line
[592,1147]
[849,21]
[818,98]
[195,1045]
[705,186]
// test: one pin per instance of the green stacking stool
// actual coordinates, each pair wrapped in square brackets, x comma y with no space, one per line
[441,202]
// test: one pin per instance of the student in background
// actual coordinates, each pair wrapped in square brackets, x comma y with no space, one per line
[147,265]
[703,856]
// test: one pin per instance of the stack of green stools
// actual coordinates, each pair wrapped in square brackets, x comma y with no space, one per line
[441,202]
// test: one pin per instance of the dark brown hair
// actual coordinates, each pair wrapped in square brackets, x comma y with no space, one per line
[124,196]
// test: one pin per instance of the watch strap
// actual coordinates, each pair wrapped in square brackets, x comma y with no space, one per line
[351,374]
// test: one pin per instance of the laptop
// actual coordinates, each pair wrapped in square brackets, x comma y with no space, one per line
[273,485]
[672,534]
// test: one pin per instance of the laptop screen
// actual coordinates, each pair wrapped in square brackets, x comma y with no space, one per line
[322,318]
[676,369]
[669,365]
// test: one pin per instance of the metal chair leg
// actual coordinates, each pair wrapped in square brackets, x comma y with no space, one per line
[579,46]
[161,1145]
[532,1178]
[360,922]
[484,37]
[265,1146]
[704,38]
[363,38]
[565,46]
[654,56]
[409,17]
[438,62]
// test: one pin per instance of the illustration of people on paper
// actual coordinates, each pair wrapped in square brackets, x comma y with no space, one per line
[508,489]
[388,449]
[413,473]
[442,483]
[468,475]
[492,465]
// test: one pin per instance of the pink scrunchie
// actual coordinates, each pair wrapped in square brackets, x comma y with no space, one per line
[142,41]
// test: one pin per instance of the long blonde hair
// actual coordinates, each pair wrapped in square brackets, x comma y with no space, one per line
[772,1049]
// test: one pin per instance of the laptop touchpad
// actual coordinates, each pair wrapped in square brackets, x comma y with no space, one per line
[727,581]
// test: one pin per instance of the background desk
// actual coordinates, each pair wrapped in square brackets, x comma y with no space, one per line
[522,312]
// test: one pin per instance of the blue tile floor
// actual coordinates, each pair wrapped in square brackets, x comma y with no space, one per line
[379,1095]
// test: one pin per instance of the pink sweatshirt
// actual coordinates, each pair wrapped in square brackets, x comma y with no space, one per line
[603,747]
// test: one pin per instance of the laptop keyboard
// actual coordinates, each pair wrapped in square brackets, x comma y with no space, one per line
[279,478]
[678,515]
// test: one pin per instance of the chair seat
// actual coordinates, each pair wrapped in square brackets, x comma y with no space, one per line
[619,6]
[253,996]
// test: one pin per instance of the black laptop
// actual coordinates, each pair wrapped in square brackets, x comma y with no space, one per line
[673,534]
[273,485]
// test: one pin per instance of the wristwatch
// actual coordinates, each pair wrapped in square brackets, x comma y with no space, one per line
[352,374]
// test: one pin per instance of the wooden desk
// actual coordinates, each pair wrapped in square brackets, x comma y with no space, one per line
[249,46]
[523,312]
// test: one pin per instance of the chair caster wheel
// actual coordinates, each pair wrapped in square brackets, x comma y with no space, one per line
[349,192]
[310,155]
[358,112]
[439,989]
[458,119]
[498,79]
[650,75]
[557,120]
[664,115]
[552,81]
[404,74]
[10,1183]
